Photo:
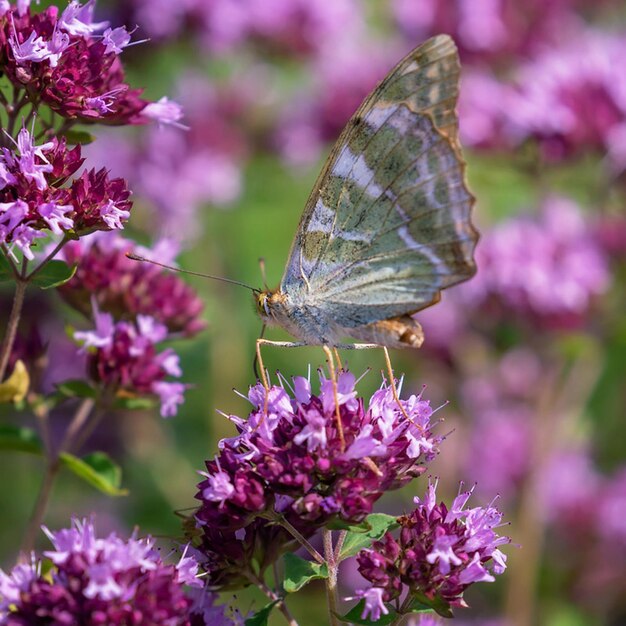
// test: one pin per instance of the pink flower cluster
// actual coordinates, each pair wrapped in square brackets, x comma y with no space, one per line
[108,581]
[127,288]
[61,62]
[122,359]
[548,269]
[34,197]
[291,454]
[440,552]
[568,99]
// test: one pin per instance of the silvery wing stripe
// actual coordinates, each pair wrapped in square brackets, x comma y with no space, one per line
[354,172]
[399,229]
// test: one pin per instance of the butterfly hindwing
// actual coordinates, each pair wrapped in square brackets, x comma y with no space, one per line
[388,223]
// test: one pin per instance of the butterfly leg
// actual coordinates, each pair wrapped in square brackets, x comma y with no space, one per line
[390,376]
[264,379]
[333,378]
[338,358]
[279,344]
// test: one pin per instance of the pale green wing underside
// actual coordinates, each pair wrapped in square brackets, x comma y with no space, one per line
[387,226]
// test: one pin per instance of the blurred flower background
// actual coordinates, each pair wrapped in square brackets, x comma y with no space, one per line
[531,353]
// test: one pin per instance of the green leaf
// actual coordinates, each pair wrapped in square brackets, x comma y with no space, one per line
[20,439]
[76,389]
[260,618]
[353,616]
[98,470]
[421,603]
[78,136]
[379,524]
[6,271]
[300,572]
[134,403]
[339,524]
[53,274]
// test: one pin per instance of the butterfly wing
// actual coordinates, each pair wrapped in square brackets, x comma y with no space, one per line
[387,225]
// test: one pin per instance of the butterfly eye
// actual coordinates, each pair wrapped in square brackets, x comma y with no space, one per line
[261,304]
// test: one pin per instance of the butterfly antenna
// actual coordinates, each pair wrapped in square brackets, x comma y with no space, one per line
[255,362]
[263,274]
[136,257]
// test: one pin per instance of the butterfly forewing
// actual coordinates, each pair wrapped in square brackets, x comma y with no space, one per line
[388,223]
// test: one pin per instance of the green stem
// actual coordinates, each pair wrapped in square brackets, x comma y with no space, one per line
[53,466]
[12,324]
[40,508]
[48,258]
[331,581]
[296,534]
[402,610]
[273,596]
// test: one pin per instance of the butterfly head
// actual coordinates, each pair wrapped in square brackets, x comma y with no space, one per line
[269,304]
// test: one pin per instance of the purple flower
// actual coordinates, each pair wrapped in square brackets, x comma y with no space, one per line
[38,176]
[76,73]
[23,236]
[128,288]
[32,49]
[56,216]
[33,164]
[112,215]
[165,111]
[122,358]
[549,269]
[106,581]
[569,106]
[102,336]
[77,19]
[171,396]
[296,27]
[374,606]
[488,29]
[291,445]
[439,553]
[116,39]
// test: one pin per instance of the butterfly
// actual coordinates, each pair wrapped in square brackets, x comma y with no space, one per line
[388,223]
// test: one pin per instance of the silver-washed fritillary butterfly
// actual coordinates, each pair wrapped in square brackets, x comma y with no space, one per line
[388,223]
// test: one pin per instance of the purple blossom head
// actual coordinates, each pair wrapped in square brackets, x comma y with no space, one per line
[570,98]
[548,270]
[71,67]
[291,455]
[440,552]
[105,581]
[36,197]
[122,358]
[128,288]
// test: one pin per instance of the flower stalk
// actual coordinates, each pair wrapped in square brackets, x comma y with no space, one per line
[53,466]
[12,325]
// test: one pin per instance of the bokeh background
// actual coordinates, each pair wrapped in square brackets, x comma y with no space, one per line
[530,355]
